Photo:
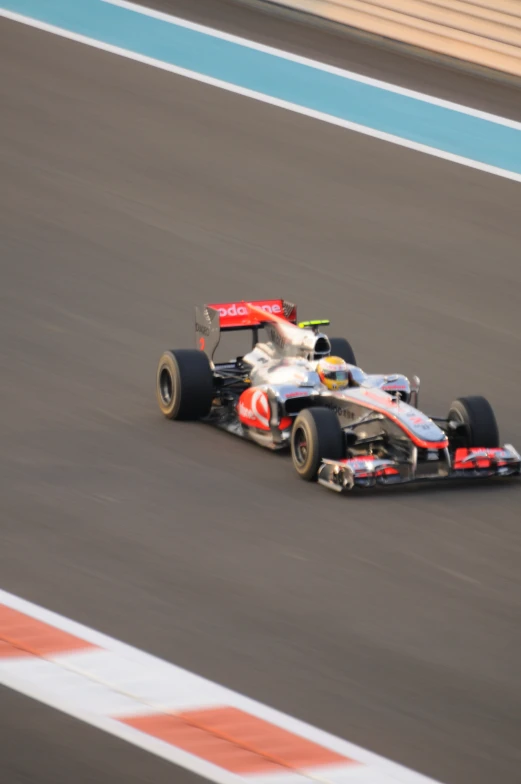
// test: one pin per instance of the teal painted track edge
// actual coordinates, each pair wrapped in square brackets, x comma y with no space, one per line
[445,129]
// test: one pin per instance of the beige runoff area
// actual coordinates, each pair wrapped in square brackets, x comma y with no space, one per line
[481,32]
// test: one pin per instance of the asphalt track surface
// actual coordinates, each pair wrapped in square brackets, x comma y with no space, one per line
[129,194]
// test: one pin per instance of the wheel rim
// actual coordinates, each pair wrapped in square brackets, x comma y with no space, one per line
[300,446]
[165,386]
[456,416]
[462,439]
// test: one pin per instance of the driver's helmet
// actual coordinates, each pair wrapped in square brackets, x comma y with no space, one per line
[333,372]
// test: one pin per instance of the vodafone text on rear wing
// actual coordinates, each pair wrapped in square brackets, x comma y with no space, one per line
[212,319]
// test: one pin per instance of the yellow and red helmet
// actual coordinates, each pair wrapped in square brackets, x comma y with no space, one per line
[333,372]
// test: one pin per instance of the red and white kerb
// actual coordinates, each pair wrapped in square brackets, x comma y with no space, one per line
[194,723]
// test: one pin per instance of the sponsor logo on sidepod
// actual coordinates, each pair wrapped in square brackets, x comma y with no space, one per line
[254,409]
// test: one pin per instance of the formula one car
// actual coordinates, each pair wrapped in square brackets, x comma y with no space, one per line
[302,390]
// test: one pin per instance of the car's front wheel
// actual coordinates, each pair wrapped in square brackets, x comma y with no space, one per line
[316,434]
[476,420]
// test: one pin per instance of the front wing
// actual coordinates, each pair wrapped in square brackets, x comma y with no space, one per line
[368,471]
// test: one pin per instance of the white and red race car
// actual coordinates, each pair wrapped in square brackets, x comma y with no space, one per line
[369,433]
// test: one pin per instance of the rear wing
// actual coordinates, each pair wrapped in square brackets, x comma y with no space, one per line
[212,319]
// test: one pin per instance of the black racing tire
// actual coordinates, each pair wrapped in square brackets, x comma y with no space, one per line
[340,347]
[184,384]
[476,413]
[316,434]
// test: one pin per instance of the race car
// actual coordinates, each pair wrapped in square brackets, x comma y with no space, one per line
[300,390]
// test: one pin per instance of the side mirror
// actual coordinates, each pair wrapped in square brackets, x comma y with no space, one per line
[415,391]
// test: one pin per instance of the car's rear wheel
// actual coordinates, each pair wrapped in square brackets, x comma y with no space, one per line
[340,347]
[316,434]
[184,384]
[478,425]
